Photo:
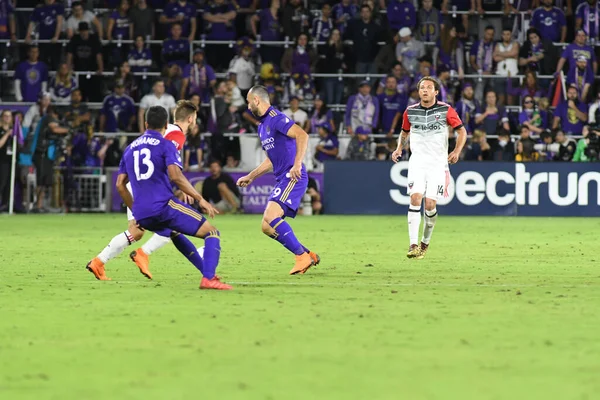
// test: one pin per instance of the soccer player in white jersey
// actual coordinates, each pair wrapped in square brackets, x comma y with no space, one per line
[185,118]
[428,123]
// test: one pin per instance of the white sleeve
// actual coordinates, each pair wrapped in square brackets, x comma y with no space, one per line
[29,116]
[592,113]
[144,103]
[172,103]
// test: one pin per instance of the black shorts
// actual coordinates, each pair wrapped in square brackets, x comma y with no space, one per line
[44,169]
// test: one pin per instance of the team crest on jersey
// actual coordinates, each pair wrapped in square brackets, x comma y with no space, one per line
[268,130]
[410,185]
[437,117]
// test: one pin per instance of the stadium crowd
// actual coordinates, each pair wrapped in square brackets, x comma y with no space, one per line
[90,74]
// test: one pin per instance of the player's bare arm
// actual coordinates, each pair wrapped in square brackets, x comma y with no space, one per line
[460,143]
[263,168]
[177,177]
[122,181]
[301,137]
[402,142]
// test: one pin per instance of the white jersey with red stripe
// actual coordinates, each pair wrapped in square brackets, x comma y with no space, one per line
[175,135]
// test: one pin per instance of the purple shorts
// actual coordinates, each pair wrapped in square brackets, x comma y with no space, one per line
[288,194]
[176,216]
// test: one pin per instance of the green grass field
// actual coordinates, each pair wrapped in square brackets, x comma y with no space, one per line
[501,308]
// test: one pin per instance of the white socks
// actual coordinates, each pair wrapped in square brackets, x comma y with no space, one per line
[154,243]
[430,218]
[116,246]
[414,223]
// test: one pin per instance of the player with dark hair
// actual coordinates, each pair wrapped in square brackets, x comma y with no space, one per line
[153,163]
[185,117]
[428,123]
[285,144]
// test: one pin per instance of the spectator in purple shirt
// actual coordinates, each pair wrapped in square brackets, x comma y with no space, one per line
[362,109]
[582,77]
[7,23]
[176,50]
[587,17]
[299,54]
[392,106]
[550,21]
[198,78]
[328,146]
[219,16]
[572,114]
[49,18]
[536,120]
[31,77]
[482,60]
[451,51]
[343,12]
[119,28]
[62,85]
[492,116]
[576,50]
[321,116]
[270,31]
[467,107]
[401,14]
[183,12]
[530,87]
[118,111]
[403,81]
[322,27]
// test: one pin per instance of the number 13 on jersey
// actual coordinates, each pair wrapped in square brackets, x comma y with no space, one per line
[146,154]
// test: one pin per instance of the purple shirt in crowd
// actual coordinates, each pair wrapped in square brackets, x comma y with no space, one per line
[580,78]
[31,77]
[270,29]
[339,10]
[316,121]
[390,106]
[121,27]
[149,149]
[280,148]
[61,90]
[590,19]
[573,51]
[536,117]
[549,23]
[200,77]
[569,122]
[85,152]
[176,51]
[221,31]
[491,123]
[187,10]
[140,61]
[321,30]
[483,53]
[6,10]
[329,143]
[401,14]
[46,16]
[118,110]
[466,110]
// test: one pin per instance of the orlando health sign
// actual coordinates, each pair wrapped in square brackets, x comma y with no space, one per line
[476,188]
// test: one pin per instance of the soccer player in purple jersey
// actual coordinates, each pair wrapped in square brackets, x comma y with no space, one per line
[285,144]
[153,163]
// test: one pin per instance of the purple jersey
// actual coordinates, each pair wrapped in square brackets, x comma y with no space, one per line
[330,142]
[536,117]
[121,27]
[46,16]
[549,22]
[199,77]
[62,90]
[466,110]
[316,121]
[176,51]
[280,148]
[186,10]
[348,12]
[145,161]
[321,30]
[569,122]
[118,110]
[220,30]
[580,78]
[140,61]
[401,14]
[31,77]
[590,18]
[573,51]
[391,105]
[6,10]
[270,29]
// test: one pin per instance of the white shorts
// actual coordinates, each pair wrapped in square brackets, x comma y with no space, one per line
[428,180]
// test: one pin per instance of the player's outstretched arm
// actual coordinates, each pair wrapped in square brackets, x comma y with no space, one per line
[460,143]
[301,145]
[176,176]
[262,169]
[122,181]
[402,142]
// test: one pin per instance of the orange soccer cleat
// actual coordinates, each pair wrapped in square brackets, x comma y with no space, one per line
[303,263]
[96,267]
[315,257]
[141,260]
[214,283]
